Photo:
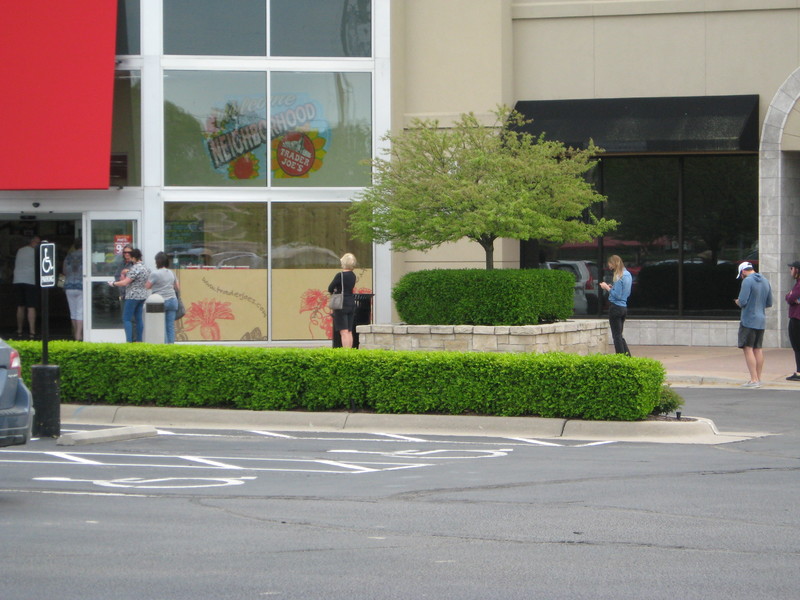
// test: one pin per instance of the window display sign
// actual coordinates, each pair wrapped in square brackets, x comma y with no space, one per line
[237,134]
[120,241]
[300,136]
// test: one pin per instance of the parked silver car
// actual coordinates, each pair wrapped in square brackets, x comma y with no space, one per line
[16,402]
[586,295]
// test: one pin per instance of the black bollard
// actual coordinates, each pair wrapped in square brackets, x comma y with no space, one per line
[46,391]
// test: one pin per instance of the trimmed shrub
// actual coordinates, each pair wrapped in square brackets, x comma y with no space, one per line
[481,297]
[607,387]
[669,401]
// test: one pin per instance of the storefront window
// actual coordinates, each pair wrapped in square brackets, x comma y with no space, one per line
[128,27]
[321,127]
[220,253]
[215,125]
[126,132]
[685,224]
[307,241]
[211,27]
[313,28]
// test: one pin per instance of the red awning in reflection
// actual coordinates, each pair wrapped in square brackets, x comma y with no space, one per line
[56,93]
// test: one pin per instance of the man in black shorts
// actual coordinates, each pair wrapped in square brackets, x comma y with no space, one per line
[25,288]
[754,298]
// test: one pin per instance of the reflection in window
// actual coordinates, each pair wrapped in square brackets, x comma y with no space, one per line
[220,253]
[307,235]
[334,28]
[321,126]
[216,235]
[215,128]
[128,27]
[681,267]
[307,241]
[211,27]
[126,130]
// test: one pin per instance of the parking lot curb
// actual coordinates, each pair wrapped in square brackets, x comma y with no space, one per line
[115,434]
[690,430]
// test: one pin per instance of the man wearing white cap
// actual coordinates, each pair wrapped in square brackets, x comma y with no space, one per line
[754,298]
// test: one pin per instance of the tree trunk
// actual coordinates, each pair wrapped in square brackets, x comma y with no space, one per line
[488,246]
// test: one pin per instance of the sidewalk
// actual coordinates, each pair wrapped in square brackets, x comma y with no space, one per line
[719,366]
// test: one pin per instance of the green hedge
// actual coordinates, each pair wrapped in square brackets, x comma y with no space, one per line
[599,387]
[481,297]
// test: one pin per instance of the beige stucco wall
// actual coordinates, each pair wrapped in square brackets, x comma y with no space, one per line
[470,55]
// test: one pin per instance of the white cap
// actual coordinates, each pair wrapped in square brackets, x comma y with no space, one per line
[742,267]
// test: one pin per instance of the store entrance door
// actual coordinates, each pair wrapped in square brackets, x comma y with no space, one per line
[16,230]
[107,233]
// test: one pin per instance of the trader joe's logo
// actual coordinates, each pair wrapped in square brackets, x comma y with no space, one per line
[236,137]
[299,138]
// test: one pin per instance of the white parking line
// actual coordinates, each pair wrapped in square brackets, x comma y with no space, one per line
[405,438]
[535,442]
[73,458]
[212,463]
[272,434]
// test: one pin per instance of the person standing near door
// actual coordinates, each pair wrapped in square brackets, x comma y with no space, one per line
[25,287]
[73,288]
[135,294]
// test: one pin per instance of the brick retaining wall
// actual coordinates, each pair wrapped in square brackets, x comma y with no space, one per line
[580,336]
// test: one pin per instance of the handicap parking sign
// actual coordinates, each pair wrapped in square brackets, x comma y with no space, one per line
[47,264]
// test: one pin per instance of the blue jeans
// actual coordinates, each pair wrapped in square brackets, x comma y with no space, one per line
[170,308]
[130,310]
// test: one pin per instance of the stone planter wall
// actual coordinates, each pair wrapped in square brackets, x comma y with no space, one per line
[580,336]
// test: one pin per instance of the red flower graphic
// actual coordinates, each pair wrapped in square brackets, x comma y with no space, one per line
[316,302]
[205,314]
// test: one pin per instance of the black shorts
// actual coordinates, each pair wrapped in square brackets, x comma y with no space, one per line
[750,338]
[27,295]
[344,319]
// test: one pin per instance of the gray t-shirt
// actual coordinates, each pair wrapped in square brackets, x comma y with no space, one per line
[163,281]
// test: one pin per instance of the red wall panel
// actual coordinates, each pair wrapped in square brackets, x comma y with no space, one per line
[56,93]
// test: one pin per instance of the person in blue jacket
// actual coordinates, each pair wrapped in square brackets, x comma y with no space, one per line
[618,294]
[755,296]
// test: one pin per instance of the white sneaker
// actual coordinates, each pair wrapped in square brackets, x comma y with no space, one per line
[752,384]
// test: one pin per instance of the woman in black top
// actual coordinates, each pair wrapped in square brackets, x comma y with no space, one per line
[343,319]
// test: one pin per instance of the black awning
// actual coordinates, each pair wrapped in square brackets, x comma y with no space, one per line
[649,125]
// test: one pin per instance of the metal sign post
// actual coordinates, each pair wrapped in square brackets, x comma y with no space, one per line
[45,378]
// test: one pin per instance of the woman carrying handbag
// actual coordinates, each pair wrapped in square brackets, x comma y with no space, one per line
[343,283]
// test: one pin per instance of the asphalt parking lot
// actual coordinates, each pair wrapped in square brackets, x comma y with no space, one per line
[253,513]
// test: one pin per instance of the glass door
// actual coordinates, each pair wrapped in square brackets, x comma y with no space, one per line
[106,234]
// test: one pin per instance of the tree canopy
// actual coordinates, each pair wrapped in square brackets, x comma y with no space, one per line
[483,182]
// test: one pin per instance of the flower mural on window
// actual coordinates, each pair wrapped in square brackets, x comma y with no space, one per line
[315,301]
[205,314]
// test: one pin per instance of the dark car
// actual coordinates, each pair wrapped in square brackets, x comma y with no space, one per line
[16,402]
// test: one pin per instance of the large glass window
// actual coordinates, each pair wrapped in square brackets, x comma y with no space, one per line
[126,130]
[211,27]
[220,253]
[320,28]
[685,224]
[307,241]
[128,27]
[215,128]
[321,126]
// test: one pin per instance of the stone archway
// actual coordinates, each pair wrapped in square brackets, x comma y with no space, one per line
[779,200]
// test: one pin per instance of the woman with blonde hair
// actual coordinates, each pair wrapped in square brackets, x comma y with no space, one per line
[618,294]
[344,282]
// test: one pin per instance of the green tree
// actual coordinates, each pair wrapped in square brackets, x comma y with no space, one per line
[481,182]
